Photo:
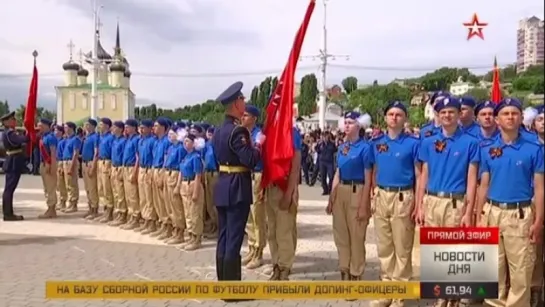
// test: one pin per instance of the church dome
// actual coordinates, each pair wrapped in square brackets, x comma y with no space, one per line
[70,65]
[117,66]
[102,55]
[82,72]
[127,73]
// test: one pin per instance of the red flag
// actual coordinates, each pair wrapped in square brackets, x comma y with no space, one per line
[495,96]
[278,148]
[30,110]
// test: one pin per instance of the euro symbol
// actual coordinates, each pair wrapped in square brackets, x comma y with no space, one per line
[437,290]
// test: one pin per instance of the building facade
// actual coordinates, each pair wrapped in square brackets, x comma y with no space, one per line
[530,43]
[460,87]
[115,98]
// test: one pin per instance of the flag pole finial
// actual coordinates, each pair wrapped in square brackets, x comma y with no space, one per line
[35,55]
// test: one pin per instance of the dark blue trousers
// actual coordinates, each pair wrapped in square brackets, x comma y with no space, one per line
[326,173]
[12,180]
[232,223]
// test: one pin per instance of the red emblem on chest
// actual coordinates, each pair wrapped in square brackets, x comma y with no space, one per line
[440,146]
[382,148]
[346,149]
[495,152]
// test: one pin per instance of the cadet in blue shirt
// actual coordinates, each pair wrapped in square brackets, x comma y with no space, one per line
[61,184]
[396,171]
[350,199]
[539,124]
[173,200]
[146,145]
[484,112]
[89,157]
[118,148]
[48,163]
[210,180]
[512,175]
[467,116]
[434,126]
[256,227]
[191,169]
[162,143]
[106,140]
[70,157]
[130,174]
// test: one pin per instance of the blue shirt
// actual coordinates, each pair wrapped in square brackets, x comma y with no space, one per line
[145,151]
[175,154]
[429,129]
[49,140]
[71,145]
[484,139]
[473,129]
[395,160]
[448,160]
[60,148]
[353,159]
[511,168]
[159,152]
[191,165]
[130,150]
[90,143]
[528,135]
[210,163]
[118,147]
[297,140]
[105,146]
[255,131]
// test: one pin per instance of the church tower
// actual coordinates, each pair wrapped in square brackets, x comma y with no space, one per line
[117,68]
[70,68]
[82,72]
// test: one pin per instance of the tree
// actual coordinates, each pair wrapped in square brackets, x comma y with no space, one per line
[4,107]
[254,94]
[417,116]
[306,102]
[350,84]
[480,94]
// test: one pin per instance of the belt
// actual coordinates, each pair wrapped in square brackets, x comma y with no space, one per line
[233,169]
[87,161]
[14,152]
[173,170]
[211,171]
[511,205]
[396,189]
[351,182]
[188,179]
[447,195]
[105,159]
[129,165]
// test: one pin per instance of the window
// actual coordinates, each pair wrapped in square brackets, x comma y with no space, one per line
[114,102]
[101,101]
[72,101]
[84,101]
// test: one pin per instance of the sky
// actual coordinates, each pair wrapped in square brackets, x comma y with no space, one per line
[184,52]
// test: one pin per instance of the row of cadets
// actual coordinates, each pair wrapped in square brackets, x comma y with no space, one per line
[349,202]
[256,227]
[450,161]
[210,180]
[511,171]
[395,176]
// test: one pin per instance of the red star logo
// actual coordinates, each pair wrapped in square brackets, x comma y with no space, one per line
[475,28]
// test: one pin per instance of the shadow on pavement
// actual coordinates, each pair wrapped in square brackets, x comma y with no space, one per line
[40,240]
[314,231]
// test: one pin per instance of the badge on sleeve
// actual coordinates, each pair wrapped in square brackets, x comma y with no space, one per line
[440,146]
[495,152]
[381,148]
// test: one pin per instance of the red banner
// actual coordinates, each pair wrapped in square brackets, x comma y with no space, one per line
[44,153]
[30,110]
[495,95]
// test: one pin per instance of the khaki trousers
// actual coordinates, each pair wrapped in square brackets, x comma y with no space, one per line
[158,190]
[173,199]
[282,227]
[104,175]
[71,182]
[61,185]
[145,194]
[348,232]
[49,181]
[395,233]
[193,208]
[130,187]
[516,254]
[211,178]
[90,183]
[118,190]
[256,227]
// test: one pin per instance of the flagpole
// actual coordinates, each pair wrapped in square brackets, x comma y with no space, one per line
[94,79]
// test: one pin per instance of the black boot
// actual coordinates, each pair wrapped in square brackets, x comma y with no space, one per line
[219,269]
[232,271]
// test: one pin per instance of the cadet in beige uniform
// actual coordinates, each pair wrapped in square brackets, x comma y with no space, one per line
[118,147]
[173,199]
[146,146]
[61,184]
[48,164]
[71,166]
[105,170]
[89,157]
[130,174]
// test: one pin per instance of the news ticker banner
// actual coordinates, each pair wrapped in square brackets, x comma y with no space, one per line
[315,290]
[459,258]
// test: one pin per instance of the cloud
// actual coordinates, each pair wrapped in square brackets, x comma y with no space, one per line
[174,47]
[15,91]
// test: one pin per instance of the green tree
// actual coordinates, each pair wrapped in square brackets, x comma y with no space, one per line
[539,86]
[306,102]
[350,84]
[417,116]
[480,94]
[254,94]
[507,74]
[441,78]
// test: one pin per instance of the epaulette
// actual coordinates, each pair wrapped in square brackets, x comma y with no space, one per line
[428,133]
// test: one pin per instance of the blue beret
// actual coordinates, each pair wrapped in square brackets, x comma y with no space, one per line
[106,121]
[163,122]
[438,94]
[70,125]
[92,122]
[252,110]
[119,124]
[447,102]
[231,93]
[131,122]
[540,109]
[205,126]
[45,121]
[395,104]
[507,102]
[59,128]
[484,105]
[181,125]
[211,130]
[467,101]
[10,115]
[198,128]
[146,123]
[352,115]
[191,137]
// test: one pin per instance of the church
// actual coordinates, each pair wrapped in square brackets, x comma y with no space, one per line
[114,95]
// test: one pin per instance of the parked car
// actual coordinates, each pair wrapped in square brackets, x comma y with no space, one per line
[3,150]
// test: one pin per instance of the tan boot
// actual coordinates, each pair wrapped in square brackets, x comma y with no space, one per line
[129,221]
[345,275]
[150,227]
[60,207]
[88,213]
[133,225]
[122,219]
[167,233]
[276,273]
[50,213]
[248,257]
[177,237]
[107,217]
[189,240]
[195,244]
[71,209]
[159,231]
[257,260]
[284,274]
[92,215]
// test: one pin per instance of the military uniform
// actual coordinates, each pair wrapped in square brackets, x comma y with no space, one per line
[13,167]
[233,193]
[61,184]
[104,175]
[118,191]
[71,163]
[130,175]
[47,145]
[472,128]
[432,127]
[146,145]
[89,157]
[210,180]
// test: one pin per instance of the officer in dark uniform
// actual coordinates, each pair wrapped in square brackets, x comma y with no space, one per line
[233,194]
[14,164]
